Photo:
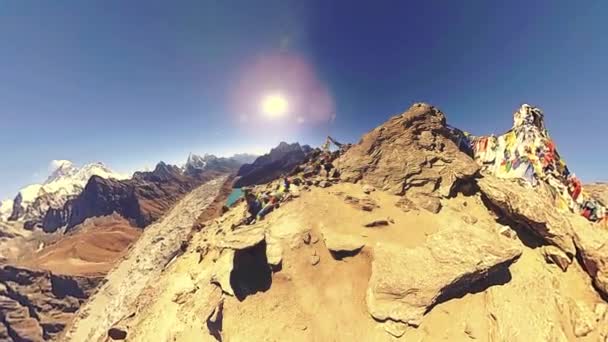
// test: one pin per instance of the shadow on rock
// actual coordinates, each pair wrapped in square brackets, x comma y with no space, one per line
[251,273]
[339,255]
[524,234]
[501,276]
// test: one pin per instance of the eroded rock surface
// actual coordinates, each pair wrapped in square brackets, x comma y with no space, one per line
[36,305]
[411,152]
[592,243]
[405,283]
[529,207]
[556,256]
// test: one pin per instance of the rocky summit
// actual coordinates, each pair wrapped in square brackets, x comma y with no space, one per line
[420,231]
[413,155]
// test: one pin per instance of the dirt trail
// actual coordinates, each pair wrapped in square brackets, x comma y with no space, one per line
[158,245]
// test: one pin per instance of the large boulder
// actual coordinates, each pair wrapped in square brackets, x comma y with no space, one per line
[338,242]
[592,243]
[530,207]
[411,152]
[406,283]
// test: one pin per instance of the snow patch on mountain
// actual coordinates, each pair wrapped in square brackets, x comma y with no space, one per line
[66,180]
[6,208]
[196,163]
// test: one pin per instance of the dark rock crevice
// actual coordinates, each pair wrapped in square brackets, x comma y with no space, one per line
[9,329]
[251,273]
[341,255]
[22,300]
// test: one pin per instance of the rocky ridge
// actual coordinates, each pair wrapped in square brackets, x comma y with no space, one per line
[412,154]
[280,160]
[159,245]
[457,256]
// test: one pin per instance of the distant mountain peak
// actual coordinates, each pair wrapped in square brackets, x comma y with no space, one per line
[281,159]
[66,180]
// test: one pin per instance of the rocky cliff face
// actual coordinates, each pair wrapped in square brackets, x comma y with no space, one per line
[35,305]
[281,160]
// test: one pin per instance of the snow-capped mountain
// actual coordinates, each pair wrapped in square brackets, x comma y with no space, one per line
[66,181]
[71,178]
[6,208]
[196,163]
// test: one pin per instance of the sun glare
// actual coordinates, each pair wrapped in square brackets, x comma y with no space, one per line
[274,106]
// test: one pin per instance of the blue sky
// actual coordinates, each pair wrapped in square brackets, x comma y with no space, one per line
[132,83]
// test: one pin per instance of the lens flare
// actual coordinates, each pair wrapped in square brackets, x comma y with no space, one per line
[274,106]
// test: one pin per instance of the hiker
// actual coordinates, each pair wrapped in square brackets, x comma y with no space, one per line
[270,203]
[254,206]
[284,185]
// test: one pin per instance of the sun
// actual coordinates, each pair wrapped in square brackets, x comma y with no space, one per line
[274,106]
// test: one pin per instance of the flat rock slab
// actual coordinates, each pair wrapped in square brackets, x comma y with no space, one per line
[530,207]
[242,238]
[405,283]
[338,242]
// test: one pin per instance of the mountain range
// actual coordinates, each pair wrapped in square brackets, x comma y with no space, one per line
[420,231]
[279,161]
[65,181]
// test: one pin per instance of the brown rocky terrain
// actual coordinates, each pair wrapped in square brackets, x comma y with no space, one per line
[90,250]
[161,242]
[35,308]
[36,305]
[406,240]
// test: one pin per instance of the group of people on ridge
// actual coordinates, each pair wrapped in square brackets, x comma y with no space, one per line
[258,206]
